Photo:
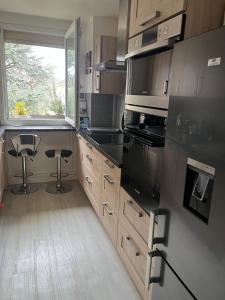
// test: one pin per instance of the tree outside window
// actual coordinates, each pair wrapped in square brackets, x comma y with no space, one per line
[35,81]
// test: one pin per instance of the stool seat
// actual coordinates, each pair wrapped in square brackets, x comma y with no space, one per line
[29,152]
[65,153]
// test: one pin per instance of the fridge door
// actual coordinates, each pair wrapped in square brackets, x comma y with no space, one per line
[197,94]
[195,248]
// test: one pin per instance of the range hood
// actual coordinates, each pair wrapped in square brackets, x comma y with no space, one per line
[119,64]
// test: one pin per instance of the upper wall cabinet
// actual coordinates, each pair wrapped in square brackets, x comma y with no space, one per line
[105,82]
[146,13]
[201,15]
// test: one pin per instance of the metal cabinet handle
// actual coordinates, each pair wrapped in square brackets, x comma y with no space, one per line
[165,87]
[139,213]
[110,212]
[109,179]
[152,238]
[130,240]
[87,179]
[89,158]
[89,146]
[155,15]
[109,164]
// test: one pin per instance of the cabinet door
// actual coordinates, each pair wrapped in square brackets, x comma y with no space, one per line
[146,13]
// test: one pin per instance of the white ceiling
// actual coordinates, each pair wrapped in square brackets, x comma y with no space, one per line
[61,9]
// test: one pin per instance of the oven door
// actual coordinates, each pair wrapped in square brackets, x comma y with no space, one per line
[141,168]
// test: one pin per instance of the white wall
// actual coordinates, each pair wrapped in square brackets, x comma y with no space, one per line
[42,166]
[12,21]
[92,28]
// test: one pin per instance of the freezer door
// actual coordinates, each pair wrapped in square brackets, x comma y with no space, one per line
[195,249]
[171,286]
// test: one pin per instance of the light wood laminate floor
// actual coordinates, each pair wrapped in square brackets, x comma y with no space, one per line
[54,247]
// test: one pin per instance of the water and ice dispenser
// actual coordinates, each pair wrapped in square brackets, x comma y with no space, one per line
[198,188]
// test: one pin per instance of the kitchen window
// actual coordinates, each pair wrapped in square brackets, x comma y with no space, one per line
[35,77]
[39,77]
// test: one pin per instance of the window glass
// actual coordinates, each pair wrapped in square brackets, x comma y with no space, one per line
[35,81]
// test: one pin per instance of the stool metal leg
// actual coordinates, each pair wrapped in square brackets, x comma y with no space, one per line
[59,183]
[25,188]
[59,187]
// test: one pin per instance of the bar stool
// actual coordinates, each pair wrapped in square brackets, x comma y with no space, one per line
[58,187]
[24,146]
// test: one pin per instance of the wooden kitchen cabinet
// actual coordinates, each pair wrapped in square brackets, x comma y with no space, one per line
[131,212]
[203,16]
[147,13]
[106,82]
[134,254]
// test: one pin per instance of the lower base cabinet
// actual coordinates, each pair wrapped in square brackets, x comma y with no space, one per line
[126,223]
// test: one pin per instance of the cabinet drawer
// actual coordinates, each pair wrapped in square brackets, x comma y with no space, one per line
[91,158]
[134,253]
[135,215]
[110,220]
[110,183]
[91,187]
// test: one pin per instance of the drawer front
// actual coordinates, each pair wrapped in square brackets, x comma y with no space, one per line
[134,250]
[91,187]
[110,220]
[135,215]
[110,183]
[91,158]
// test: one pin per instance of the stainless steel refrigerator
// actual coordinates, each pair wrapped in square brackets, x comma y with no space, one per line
[188,261]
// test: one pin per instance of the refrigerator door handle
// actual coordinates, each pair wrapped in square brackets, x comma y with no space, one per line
[153,240]
[155,279]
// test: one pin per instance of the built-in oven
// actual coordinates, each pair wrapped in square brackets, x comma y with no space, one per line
[144,137]
[148,62]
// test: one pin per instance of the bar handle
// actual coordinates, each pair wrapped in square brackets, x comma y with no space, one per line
[109,179]
[110,212]
[150,18]
[87,180]
[139,213]
[130,240]
[89,158]
[109,164]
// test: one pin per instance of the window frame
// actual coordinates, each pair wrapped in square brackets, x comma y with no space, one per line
[5,120]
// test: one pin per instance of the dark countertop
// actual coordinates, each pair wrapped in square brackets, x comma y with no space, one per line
[4,129]
[114,152]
